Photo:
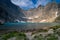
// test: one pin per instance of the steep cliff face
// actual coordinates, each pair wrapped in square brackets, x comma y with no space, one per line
[51,11]
[42,14]
[58,18]
[9,12]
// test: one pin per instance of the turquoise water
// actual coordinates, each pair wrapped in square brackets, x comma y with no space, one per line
[26,25]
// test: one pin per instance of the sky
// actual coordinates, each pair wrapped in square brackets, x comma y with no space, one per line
[58,1]
[28,4]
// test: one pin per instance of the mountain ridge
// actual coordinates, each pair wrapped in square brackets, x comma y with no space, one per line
[40,14]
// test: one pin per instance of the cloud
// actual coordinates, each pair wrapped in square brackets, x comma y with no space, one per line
[27,4]
[23,3]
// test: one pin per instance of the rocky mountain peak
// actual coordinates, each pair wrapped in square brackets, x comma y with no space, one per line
[42,14]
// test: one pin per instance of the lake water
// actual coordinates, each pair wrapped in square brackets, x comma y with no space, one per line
[26,25]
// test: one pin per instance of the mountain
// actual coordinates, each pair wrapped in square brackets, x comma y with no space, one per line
[47,13]
[9,12]
[58,18]
[12,13]
[51,11]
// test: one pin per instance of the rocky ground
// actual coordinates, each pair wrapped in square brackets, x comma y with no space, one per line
[53,33]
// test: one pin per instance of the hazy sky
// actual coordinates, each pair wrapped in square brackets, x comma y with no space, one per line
[28,4]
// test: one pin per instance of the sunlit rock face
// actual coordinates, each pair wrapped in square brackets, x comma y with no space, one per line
[42,14]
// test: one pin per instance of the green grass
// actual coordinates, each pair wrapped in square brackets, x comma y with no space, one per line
[47,37]
[18,35]
[55,27]
[52,37]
